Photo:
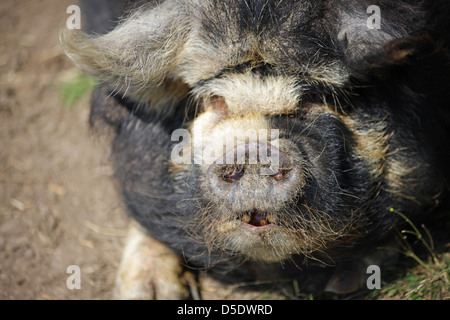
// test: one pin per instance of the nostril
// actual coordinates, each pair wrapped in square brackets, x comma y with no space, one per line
[233,174]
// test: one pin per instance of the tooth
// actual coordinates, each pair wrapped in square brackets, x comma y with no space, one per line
[246,218]
[263,223]
[270,219]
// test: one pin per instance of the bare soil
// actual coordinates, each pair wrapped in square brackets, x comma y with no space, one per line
[58,203]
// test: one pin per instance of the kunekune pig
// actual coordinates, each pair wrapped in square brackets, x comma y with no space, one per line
[352,117]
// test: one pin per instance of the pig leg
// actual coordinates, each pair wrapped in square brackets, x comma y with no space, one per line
[149,269]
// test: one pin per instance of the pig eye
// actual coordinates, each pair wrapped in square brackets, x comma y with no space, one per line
[216,104]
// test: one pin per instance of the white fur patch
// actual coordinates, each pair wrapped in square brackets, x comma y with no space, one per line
[244,93]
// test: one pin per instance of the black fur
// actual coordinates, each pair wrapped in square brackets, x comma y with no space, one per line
[405,81]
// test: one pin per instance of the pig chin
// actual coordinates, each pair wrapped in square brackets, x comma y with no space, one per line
[270,244]
[256,237]
[273,236]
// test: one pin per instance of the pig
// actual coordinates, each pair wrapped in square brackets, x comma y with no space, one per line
[268,139]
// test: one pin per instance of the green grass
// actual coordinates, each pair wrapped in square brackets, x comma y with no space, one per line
[72,91]
[425,275]
[427,281]
[423,269]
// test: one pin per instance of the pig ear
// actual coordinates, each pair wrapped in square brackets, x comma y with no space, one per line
[139,57]
[411,51]
[408,53]
[361,32]
[416,65]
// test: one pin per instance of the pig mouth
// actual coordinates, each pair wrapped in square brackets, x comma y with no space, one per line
[257,219]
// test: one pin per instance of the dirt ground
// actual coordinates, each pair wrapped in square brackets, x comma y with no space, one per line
[58,204]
